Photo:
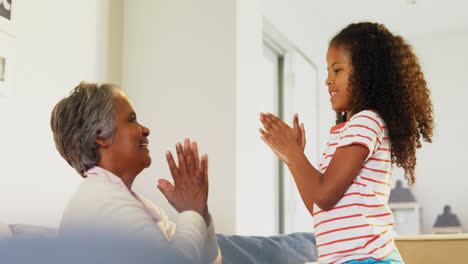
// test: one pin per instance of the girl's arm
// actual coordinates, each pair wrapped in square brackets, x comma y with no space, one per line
[314,187]
[326,189]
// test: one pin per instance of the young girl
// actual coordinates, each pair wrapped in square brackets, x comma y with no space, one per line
[383,109]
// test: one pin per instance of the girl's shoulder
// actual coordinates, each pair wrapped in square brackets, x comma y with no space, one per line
[368,113]
[369,116]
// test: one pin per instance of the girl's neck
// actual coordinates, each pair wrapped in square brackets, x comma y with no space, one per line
[349,114]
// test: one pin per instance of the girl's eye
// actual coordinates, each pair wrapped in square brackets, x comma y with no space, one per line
[337,70]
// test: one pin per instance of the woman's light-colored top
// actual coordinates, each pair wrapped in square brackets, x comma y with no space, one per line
[102,206]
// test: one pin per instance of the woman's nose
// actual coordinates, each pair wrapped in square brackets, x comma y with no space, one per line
[145,130]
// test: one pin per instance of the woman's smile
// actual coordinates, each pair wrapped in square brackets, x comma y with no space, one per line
[144,144]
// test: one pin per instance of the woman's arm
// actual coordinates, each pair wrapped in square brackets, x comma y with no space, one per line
[189,196]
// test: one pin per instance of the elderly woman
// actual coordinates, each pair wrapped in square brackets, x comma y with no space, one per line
[96,131]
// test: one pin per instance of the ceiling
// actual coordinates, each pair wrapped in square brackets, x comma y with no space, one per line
[402,16]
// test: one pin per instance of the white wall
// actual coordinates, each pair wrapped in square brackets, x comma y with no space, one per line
[307,34]
[57,44]
[441,176]
[252,97]
[179,71]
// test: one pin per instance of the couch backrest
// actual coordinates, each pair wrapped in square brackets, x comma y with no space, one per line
[30,231]
[5,231]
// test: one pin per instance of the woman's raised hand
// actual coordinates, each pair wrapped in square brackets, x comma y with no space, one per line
[281,138]
[190,189]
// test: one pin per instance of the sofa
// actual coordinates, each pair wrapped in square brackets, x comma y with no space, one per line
[291,248]
[35,243]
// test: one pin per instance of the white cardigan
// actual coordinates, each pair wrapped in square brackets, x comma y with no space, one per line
[99,206]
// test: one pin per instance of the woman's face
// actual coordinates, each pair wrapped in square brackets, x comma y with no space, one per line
[129,147]
[339,70]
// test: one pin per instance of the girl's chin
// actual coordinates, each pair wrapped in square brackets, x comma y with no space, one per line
[339,108]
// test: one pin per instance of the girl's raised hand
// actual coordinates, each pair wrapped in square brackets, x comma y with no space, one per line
[284,140]
[300,132]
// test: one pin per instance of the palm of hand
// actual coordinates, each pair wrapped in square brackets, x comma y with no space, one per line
[190,189]
[281,138]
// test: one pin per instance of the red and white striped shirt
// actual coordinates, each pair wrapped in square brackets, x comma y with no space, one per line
[360,225]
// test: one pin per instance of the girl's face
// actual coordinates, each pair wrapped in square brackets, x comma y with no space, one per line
[339,70]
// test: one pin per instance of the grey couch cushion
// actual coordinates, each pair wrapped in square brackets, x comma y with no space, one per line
[285,249]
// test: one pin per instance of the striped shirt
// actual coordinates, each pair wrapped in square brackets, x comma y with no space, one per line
[360,225]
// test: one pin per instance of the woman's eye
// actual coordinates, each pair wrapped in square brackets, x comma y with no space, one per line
[337,70]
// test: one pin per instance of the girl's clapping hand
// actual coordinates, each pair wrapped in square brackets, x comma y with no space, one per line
[284,140]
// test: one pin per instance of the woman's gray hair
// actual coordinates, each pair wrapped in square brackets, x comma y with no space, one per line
[78,120]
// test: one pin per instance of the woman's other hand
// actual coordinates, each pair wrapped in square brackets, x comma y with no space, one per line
[281,138]
[190,189]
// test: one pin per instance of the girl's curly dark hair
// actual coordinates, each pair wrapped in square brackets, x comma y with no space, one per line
[387,77]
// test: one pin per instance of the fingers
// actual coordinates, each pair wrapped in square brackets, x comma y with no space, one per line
[303,135]
[204,168]
[166,188]
[266,141]
[274,119]
[172,166]
[182,161]
[265,138]
[189,155]
[296,121]
[264,133]
[195,155]
[268,122]
[271,146]
[165,184]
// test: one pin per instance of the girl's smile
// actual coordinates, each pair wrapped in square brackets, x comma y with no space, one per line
[333,94]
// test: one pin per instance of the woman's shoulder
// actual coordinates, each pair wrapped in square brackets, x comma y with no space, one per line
[103,204]
[100,190]
[94,182]
[97,197]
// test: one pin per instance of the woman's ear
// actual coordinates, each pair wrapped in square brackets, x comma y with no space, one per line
[102,142]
